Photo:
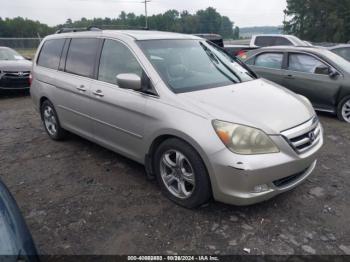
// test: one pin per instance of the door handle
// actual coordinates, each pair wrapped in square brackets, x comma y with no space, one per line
[98,93]
[81,88]
[289,76]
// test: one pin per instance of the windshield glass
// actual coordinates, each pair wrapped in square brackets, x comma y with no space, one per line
[191,65]
[299,42]
[337,60]
[9,54]
[343,52]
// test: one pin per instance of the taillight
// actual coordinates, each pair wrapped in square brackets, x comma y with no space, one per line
[30,79]
[242,54]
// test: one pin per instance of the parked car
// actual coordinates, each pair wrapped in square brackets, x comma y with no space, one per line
[238,50]
[199,120]
[214,38]
[316,73]
[277,40]
[258,41]
[15,239]
[14,71]
[341,50]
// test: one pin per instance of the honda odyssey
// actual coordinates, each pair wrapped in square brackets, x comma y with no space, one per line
[200,121]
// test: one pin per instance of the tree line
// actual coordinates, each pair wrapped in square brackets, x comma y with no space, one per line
[203,21]
[319,20]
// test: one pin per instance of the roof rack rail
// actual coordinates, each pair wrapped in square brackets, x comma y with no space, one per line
[77,29]
[98,28]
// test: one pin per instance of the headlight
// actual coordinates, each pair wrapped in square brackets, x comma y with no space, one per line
[244,140]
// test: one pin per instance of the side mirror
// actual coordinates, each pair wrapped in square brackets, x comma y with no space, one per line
[322,70]
[129,81]
[333,73]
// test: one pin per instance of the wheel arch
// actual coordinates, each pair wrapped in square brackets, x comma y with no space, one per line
[161,137]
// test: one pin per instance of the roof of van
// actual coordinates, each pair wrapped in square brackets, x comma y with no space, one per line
[135,34]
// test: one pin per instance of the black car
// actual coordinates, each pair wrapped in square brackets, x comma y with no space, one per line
[14,71]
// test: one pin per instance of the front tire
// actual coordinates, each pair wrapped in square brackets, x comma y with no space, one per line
[51,122]
[344,109]
[181,173]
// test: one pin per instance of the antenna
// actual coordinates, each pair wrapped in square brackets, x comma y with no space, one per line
[146,17]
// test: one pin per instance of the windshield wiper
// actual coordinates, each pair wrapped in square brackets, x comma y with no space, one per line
[217,61]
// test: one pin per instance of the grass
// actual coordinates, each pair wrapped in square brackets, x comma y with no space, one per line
[27,52]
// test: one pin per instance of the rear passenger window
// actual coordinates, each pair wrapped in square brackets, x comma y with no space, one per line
[263,41]
[269,60]
[116,59]
[50,53]
[282,41]
[81,56]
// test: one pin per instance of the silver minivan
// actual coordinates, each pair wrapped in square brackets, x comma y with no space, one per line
[201,122]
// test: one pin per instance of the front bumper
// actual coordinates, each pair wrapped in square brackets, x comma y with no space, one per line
[235,178]
[14,88]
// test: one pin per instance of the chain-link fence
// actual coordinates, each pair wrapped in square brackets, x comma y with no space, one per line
[25,46]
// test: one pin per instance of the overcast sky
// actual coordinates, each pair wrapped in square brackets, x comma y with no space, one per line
[53,12]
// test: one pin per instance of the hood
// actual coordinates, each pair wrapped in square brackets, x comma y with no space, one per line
[15,65]
[260,103]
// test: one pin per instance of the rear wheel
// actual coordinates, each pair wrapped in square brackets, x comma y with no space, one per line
[344,110]
[51,122]
[181,173]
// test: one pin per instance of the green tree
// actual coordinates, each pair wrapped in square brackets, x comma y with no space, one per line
[318,20]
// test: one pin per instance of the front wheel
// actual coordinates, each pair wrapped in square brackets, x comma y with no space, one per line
[182,174]
[344,110]
[51,122]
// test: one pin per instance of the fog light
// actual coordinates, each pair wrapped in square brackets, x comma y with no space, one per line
[261,188]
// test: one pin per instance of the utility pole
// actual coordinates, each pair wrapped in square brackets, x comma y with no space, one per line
[146,17]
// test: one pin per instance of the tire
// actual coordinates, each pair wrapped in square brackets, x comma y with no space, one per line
[51,122]
[177,161]
[343,111]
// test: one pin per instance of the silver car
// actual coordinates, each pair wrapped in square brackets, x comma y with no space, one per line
[200,122]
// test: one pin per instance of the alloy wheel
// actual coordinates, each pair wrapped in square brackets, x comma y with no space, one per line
[346,111]
[50,120]
[177,174]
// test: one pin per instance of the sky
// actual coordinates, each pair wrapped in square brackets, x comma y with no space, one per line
[52,12]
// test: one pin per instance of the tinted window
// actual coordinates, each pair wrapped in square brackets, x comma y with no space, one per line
[343,52]
[50,53]
[117,59]
[271,41]
[269,60]
[282,41]
[81,56]
[304,63]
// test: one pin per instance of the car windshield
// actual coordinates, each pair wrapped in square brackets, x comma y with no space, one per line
[338,60]
[343,52]
[299,42]
[191,65]
[9,54]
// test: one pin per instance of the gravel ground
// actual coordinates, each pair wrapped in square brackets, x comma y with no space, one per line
[79,198]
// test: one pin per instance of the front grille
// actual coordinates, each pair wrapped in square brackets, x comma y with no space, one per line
[288,180]
[304,137]
[11,79]
[15,74]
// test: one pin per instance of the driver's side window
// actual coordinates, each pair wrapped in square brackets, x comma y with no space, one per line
[116,59]
[306,64]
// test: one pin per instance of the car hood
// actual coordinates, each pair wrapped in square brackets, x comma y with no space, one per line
[259,103]
[15,65]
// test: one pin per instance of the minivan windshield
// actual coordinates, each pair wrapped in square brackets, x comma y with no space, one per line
[9,54]
[191,65]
